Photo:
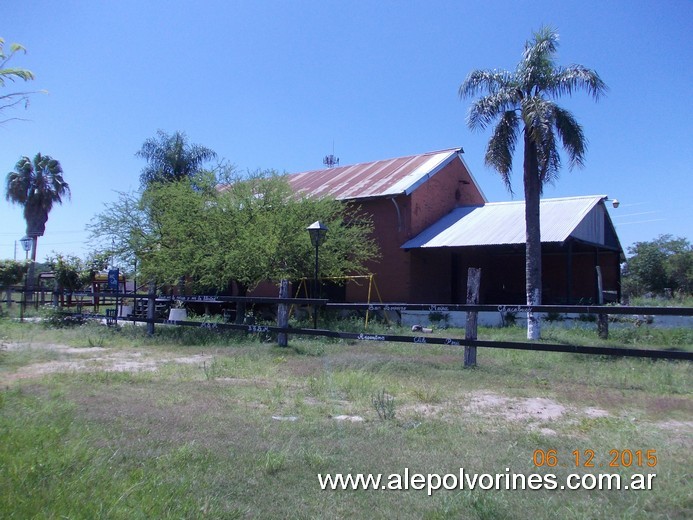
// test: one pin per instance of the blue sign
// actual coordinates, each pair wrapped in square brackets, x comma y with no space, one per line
[113,276]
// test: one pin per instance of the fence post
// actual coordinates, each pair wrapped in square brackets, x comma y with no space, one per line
[602,319]
[9,297]
[283,313]
[473,281]
[151,308]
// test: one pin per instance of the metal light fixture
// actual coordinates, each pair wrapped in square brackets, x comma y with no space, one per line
[26,244]
[317,231]
[614,202]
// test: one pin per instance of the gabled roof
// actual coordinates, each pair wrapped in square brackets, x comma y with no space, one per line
[500,223]
[389,177]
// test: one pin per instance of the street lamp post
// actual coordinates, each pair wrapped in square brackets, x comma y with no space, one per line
[317,231]
[26,245]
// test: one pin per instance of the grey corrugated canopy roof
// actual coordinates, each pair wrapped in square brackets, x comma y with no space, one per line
[499,223]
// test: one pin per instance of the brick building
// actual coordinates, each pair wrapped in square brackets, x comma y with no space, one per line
[432,222]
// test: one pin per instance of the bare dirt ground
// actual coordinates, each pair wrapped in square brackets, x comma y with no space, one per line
[71,359]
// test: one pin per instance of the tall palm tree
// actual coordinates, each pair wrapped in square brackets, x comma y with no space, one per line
[522,103]
[171,157]
[36,185]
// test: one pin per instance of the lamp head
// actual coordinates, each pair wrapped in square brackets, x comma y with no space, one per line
[317,231]
[26,243]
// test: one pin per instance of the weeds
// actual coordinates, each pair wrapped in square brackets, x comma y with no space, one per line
[274,461]
[97,342]
[384,405]
[428,394]
[210,369]
[315,459]
[274,397]
[314,349]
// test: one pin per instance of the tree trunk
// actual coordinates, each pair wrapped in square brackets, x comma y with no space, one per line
[532,185]
[30,273]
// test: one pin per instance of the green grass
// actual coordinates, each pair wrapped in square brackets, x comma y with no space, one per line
[231,426]
[678,300]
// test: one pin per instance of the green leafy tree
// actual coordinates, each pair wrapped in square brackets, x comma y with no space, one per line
[679,269]
[662,263]
[177,233]
[36,186]
[250,231]
[522,106]
[70,272]
[270,226]
[171,158]
[123,231]
[11,272]
[12,74]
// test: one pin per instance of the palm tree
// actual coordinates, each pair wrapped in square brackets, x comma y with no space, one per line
[12,74]
[523,101]
[171,157]
[36,185]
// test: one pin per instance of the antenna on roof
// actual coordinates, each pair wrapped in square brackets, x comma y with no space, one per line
[330,160]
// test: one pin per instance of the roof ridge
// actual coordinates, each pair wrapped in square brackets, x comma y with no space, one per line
[551,199]
[390,159]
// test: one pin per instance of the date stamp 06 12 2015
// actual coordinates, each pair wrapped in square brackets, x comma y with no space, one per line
[588,458]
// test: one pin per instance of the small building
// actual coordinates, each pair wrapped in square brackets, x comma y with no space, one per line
[432,222]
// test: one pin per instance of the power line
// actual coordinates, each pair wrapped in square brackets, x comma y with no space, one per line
[52,232]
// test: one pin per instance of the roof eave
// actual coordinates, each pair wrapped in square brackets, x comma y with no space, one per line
[471,176]
[424,178]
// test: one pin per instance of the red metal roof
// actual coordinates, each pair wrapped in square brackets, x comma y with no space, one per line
[388,177]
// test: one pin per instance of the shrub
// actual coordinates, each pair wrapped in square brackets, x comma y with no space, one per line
[59,319]
[11,272]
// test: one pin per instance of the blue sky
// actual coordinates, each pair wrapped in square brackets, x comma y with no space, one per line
[273,84]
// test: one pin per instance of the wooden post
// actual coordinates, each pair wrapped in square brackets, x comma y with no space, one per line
[283,314]
[9,297]
[151,308]
[602,319]
[473,281]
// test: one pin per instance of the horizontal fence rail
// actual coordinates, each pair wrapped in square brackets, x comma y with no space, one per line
[420,340]
[202,298]
[463,307]
[393,307]
[111,317]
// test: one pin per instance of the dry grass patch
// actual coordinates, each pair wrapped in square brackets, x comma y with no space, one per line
[241,430]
